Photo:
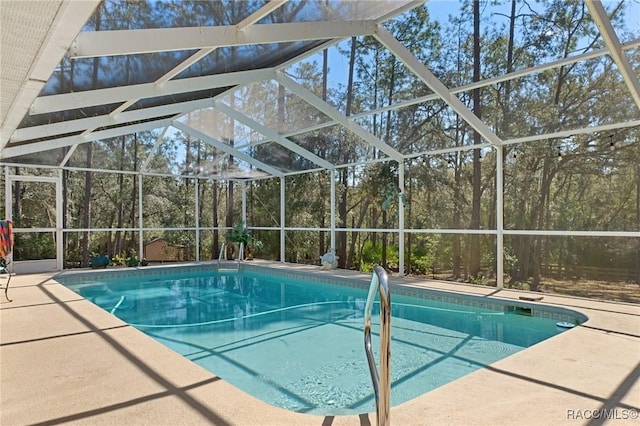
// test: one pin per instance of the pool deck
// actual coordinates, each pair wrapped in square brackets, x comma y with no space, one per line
[64,360]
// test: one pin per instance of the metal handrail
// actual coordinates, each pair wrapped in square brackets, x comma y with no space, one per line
[240,254]
[382,382]
[220,255]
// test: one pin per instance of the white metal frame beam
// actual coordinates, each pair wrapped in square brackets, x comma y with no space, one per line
[273,135]
[411,62]
[33,147]
[265,10]
[467,87]
[72,126]
[226,148]
[90,124]
[89,98]
[337,116]
[259,14]
[90,44]
[615,49]
[493,80]
[573,132]
[168,76]
[152,151]
[256,16]
[69,20]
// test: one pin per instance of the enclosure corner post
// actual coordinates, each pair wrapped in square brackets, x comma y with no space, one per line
[8,208]
[499,218]
[59,223]
[400,218]
[282,218]
[197,216]
[333,209]
[140,219]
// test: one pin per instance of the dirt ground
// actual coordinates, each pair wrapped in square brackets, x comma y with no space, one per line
[594,289]
[616,291]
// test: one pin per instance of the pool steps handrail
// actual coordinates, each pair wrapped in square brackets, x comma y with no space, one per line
[240,254]
[381,382]
[222,247]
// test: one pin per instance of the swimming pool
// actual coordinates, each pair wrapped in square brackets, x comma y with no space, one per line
[298,344]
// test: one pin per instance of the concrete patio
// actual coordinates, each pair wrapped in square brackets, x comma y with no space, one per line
[66,361]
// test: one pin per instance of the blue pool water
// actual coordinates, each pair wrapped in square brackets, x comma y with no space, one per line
[299,345]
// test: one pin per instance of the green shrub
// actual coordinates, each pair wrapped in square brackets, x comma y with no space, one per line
[133,261]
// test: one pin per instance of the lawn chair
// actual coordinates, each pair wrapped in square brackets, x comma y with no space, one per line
[6,247]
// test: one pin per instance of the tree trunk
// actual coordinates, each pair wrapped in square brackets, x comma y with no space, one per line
[134,198]
[545,190]
[86,212]
[187,181]
[201,194]
[474,267]
[281,111]
[118,247]
[384,261]
[342,213]
[214,207]
[344,173]
[86,217]
[322,176]
[229,221]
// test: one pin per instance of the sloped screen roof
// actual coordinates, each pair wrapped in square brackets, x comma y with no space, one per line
[225,72]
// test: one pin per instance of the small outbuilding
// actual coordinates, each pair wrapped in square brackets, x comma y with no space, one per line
[158,250]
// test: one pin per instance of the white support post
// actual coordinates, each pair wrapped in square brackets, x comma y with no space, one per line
[499,218]
[243,187]
[400,218]
[197,219]
[59,224]
[333,209]
[8,210]
[282,219]
[140,219]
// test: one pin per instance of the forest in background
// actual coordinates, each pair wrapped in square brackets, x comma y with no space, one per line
[587,181]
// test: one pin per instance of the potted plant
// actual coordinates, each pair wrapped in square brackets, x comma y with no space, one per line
[132,261]
[99,261]
[240,234]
